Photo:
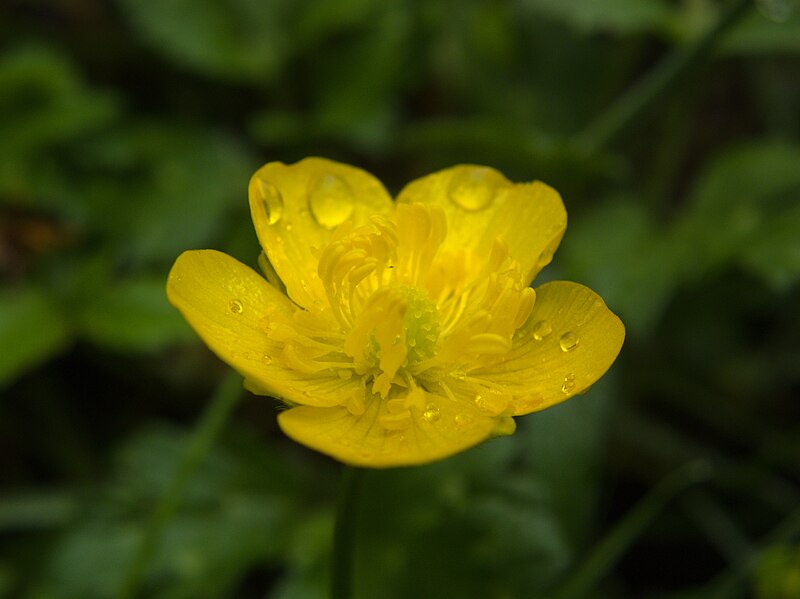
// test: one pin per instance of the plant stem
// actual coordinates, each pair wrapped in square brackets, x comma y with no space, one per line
[205,434]
[605,555]
[344,533]
[613,121]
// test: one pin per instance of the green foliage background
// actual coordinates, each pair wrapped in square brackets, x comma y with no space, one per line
[128,132]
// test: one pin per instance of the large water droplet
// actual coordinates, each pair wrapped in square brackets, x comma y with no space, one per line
[431,413]
[568,341]
[270,199]
[542,329]
[473,189]
[330,200]
[266,359]
[236,306]
[568,386]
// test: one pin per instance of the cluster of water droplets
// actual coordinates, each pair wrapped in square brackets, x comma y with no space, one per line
[330,200]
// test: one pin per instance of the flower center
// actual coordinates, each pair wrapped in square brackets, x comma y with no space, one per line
[397,329]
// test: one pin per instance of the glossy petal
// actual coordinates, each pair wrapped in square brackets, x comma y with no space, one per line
[296,209]
[232,307]
[436,429]
[568,342]
[481,205]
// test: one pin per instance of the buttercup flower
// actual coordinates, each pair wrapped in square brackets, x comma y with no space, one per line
[399,332]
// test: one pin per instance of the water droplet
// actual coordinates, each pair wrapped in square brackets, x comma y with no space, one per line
[474,188]
[269,197]
[431,413]
[266,359]
[542,329]
[236,306]
[463,420]
[568,386]
[492,402]
[568,341]
[246,355]
[330,200]
[458,374]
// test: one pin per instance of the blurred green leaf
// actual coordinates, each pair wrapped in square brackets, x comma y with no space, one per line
[737,204]
[133,314]
[776,255]
[634,269]
[777,574]
[31,330]
[762,33]
[236,514]
[239,40]
[619,16]
[43,105]
[169,189]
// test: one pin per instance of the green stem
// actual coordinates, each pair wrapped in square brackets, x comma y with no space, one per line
[609,124]
[588,576]
[205,434]
[344,533]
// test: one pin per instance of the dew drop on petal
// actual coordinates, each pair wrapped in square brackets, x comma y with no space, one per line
[492,402]
[568,386]
[236,306]
[463,421]
[330,200]
[270,198]
[246,355]
[266,359]
[568,341]
[542,329]
[264,324]
[431,413]
[474,189]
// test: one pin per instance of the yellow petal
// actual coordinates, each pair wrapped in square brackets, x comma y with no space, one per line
[481,205]
[381,437]
[296,208]
[568,342]
[232,307]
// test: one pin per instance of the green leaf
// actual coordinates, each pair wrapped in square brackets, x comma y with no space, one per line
[31,330]
[762,33]
[736,205]
[169,189]
[234,517]
[775,256]
[43,106]
[245,40]
[634,269]
[133,315]
[619,16]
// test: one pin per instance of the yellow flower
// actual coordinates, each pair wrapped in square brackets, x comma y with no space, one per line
[399,333]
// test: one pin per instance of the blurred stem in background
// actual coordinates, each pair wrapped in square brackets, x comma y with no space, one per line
[344,531]
[205,434]
[602,131]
